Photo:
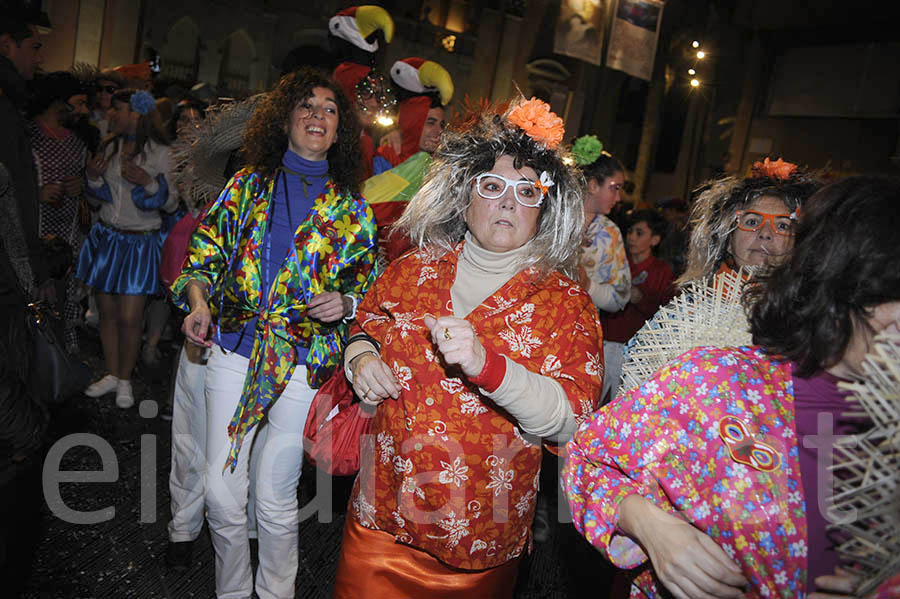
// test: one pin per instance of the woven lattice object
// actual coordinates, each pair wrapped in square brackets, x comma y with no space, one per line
[867,471]
[705,313]
[200,155]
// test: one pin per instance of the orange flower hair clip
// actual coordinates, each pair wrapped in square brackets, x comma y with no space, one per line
[775,169]
[535,118]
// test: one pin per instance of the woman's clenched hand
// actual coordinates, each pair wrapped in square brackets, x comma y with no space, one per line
[459,345]
[688,562]
[373,380]
[330,306]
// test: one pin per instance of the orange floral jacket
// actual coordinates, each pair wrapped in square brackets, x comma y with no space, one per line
[449,472]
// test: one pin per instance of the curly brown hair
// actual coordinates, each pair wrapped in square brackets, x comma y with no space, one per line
[266,138]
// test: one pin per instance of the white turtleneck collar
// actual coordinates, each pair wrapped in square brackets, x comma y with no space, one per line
[489,262]
[480,273]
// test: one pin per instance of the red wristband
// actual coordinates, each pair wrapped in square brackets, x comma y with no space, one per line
[493,372]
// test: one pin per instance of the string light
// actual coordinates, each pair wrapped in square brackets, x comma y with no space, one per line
[385,120]
[692,72]
[695,44]
[701,54]
[449,43]
[695,82]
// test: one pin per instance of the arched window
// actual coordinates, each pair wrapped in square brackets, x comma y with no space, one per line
[180,54]
[238,56]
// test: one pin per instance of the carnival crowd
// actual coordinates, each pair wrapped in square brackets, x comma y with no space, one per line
[465,290]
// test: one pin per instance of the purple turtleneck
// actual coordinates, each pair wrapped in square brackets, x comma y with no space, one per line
[815,396]
[297,188]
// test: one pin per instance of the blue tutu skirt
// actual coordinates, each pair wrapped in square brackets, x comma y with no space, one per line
[122,263]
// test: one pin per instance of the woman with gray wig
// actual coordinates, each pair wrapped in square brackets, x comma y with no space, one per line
[738,224]
[746,222]
[470,350]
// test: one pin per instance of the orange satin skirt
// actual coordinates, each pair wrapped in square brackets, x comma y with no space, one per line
[373,565]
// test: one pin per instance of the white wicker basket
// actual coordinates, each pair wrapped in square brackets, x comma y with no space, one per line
[867,471]
[705,313]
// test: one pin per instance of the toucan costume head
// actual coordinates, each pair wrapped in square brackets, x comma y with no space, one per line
[358,36]
[420,86]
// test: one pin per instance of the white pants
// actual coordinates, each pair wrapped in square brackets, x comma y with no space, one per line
[187,477]
[613,358]
[280,460]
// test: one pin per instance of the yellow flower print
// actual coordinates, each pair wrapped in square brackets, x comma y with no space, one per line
[347,228]
[320,244]
[740,542]
[322,202]
[283,367]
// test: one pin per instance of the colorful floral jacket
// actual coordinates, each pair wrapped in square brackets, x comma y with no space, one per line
[710,437]
[451,473]
[335,251]
[603,259]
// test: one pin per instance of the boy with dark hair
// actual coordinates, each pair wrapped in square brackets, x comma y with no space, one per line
[651,286]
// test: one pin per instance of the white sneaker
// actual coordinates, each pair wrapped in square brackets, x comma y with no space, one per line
[107,384]
[124,395]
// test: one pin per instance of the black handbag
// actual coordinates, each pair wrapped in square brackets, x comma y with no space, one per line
[55,374]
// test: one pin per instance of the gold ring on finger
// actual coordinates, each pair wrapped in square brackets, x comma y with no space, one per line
[447,333]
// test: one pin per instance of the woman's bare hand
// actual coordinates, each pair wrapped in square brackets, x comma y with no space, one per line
[636,295]
[51,193]
[688,562]
[393,139]
[135,174]
[373,380]
[196,324]
[330,306]
[840,585]
[73,186]
[96,165]
[456,340]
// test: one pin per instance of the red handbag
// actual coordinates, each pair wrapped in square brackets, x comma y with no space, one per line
[335,427]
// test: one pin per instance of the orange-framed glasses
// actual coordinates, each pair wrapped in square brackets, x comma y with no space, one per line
[753,220]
